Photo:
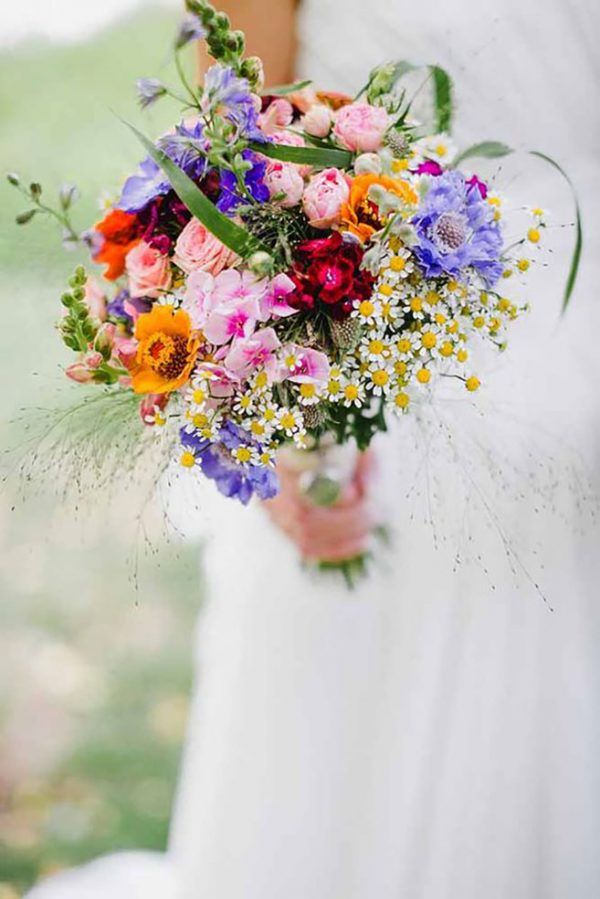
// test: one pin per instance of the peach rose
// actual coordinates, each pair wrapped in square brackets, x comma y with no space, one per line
[278,114]
[360,127]
[149,271]
[324,197]
[317,121]
[284,179]
[198,249]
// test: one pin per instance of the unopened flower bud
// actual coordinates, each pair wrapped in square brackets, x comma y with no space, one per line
[261,264]
[367,163]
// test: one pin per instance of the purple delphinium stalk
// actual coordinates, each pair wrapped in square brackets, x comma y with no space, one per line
[456,230]
[191,29]
[232,478]
[230,196]
[231,96]
[149,90]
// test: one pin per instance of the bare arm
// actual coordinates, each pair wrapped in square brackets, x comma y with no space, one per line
[270,29]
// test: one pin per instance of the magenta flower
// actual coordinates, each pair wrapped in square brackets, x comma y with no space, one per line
[236,318]
[309,366]
[274,303]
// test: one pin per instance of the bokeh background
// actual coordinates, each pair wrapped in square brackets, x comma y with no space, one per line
[95,629]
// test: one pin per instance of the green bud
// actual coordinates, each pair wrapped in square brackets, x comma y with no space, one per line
[67,300]
[252,69]
[25,217]
[35,190]
[13,179]
[80,274]
[222,21]
[79,293]
[261,264]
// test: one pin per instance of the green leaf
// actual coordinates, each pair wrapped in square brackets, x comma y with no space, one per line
[233,236]
[322,157]
[495,150]
[442,98]
[487,149]
[576,258]
[281,90]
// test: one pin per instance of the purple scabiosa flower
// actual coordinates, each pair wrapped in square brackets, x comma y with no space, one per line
[233,479]
[149,90]
[456,230]
[231,95]
[230,196]
[191,29]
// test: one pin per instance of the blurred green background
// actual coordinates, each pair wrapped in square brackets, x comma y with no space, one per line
[95,636]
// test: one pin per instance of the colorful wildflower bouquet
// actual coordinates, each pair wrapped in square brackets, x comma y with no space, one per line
[290,267]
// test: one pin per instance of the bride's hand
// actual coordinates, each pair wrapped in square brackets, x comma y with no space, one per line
[325,533]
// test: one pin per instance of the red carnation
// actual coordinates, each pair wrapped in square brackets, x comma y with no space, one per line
[327,272]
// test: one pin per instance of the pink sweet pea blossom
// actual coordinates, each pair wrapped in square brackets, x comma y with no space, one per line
[198,300]
[236,318]
[79,372]
[252,352]
[274,303]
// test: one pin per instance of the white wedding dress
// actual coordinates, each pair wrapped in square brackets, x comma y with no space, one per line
[435,734]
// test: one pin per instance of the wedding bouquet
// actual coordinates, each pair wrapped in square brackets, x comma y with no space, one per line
[288,266]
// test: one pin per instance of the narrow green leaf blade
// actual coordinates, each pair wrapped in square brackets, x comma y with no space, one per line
[487,149]
[442,98]
[281,90]
[576,257]
[233,236]
[321,157]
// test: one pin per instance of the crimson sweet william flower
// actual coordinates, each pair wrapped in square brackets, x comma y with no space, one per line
[327,274]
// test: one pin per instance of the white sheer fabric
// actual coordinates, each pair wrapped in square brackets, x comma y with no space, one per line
[426,736]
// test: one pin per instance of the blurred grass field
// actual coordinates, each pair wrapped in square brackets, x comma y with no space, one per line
[95,665]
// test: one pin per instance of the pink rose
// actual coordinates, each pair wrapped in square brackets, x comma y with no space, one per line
[360,126]
[283,178]
[149,271]
[197,248]
[324,197]
[317,121]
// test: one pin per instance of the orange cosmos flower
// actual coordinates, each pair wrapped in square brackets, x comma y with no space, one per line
[166,352]
[360,215]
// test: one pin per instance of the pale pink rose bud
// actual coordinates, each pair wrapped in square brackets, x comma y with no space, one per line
[149,271]
[317,121]
[79,372]
[278,114]
[199,250]
[125,350]
[324,197]
[304,98]
[292,139]
[283,178]
[367,164]
[93,360]
[360,127]
[103,342]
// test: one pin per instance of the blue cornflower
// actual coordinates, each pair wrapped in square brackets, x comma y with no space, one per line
[230,197]
[456,230]
[233,479]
